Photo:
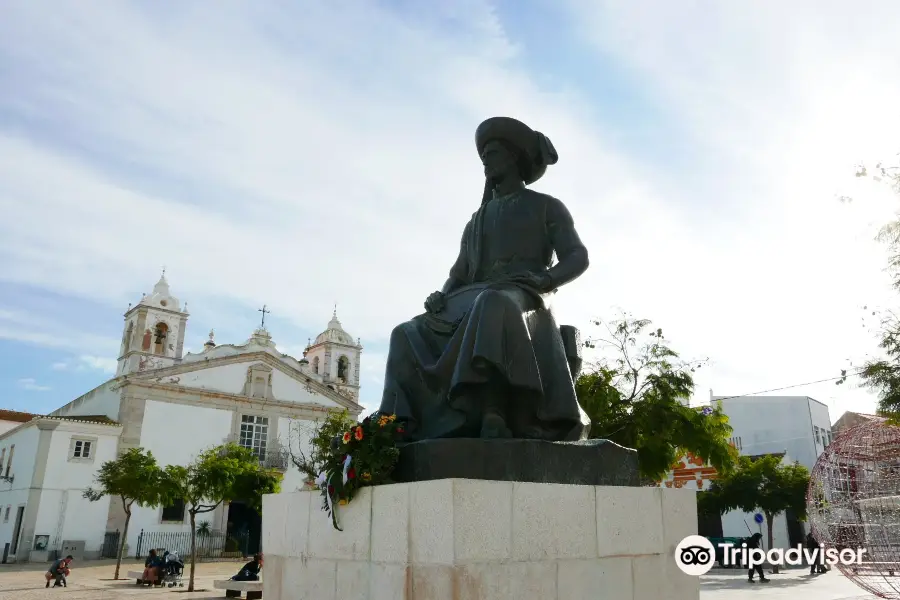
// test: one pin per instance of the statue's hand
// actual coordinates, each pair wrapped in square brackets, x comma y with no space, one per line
[435,303]
[540,281]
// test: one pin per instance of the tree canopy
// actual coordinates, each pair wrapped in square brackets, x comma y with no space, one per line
[221,474]
[133,477]
[763,484]
[637,395]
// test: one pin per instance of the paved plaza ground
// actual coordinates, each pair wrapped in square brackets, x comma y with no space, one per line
[92,581]
[727,584]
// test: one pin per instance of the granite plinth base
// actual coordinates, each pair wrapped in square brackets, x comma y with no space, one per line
[588,462]
[457,539]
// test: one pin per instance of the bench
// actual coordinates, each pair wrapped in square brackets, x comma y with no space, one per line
[137,576]
[233,589]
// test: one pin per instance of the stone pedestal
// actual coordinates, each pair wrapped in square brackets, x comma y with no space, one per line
[461,539]
[588,462]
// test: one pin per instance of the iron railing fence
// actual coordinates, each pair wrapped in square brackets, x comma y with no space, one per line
[211,546]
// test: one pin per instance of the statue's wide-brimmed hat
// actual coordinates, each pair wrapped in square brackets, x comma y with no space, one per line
[532,144]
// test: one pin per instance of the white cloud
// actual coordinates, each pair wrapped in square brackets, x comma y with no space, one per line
[265,159]
[781,100]
[27,327]
[86,362]
[32,385]
[99,363]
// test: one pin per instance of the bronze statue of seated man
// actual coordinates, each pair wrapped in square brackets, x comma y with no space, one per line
[487,358]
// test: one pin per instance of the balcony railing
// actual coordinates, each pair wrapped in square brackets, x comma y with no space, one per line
[276,457]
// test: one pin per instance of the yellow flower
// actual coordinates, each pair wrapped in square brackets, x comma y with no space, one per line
[343,502]
[392,418]
[366,476]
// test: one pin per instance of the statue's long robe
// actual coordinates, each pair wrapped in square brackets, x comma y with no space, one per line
[490,328]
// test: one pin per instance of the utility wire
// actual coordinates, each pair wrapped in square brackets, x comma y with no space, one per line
[789,387]
[778,389]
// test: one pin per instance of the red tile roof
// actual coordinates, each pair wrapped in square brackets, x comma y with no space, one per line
[16,416]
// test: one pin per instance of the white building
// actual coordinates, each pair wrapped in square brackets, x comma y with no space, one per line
[176,406]
[797,427]
[46,465]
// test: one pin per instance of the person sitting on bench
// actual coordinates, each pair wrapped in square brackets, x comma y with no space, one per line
[152,568]
[250,571]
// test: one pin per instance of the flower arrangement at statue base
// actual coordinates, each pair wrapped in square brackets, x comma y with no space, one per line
[363,455]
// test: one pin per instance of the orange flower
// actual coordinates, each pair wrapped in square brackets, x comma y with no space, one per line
[359,434]
[366,476]
[346,438]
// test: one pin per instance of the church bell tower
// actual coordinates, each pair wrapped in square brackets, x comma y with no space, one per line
[153,336]
[334,358]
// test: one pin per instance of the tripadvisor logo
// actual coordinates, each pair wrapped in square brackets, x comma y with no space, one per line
[696,555]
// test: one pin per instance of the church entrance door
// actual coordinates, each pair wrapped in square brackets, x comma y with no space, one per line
[245,524]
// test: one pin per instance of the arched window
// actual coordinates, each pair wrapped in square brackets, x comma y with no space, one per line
[343,369]
[159,338]
[148,339]
[316,365]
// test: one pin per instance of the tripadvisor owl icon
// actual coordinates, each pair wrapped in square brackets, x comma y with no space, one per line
[695,555]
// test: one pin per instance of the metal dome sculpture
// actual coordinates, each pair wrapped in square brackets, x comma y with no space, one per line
[853,502]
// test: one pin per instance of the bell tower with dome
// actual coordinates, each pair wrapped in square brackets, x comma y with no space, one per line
[153,336]
[334,358]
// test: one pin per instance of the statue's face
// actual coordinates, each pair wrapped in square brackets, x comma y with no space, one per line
[499,163]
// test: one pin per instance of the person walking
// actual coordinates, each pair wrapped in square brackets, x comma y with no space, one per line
[753,543]
[817,565]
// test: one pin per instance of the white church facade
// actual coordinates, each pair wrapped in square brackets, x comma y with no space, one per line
[175,405]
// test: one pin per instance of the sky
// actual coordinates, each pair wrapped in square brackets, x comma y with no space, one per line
[302,154]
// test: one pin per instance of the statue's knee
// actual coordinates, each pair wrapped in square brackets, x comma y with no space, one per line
[493,298]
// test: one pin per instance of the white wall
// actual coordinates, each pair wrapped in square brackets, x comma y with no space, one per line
[232,378]
[64,514]
[12,500]
[733,525]
[176,434]
[224,378]
[771,424]
[821,419]
[293,437]
[285,387]
[7,425]
[26,442]
[102,400]
[15,494]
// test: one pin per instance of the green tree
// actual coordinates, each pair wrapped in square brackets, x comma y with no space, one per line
[765,484]
[311,462]
[221,474]
[134,477]
[637,396]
